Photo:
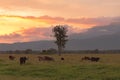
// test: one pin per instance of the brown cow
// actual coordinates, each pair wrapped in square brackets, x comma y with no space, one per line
[48,58]
[45,58]
[11,57]
[86,58]
[40,58]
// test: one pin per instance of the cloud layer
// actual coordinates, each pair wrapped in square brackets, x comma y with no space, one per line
[30,28]
[37,33]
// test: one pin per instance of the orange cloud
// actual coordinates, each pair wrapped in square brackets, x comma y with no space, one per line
[9,24]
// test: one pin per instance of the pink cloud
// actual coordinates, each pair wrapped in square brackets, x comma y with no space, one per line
[83,20]
[87,21]
[31,34]
[96,21]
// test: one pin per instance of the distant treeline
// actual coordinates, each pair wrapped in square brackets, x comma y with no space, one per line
[54,51]
[30,51]
[93,51]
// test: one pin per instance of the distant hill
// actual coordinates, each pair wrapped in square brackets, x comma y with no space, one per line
[35,45]
[105,42]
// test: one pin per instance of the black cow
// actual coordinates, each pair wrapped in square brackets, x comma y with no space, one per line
[62,58]
[96,59]
[23,60]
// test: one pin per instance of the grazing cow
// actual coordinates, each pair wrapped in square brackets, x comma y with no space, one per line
[96,59]
[86,58]
[62,58]
[47,58]
[23,60]
[11,57]
[40,58]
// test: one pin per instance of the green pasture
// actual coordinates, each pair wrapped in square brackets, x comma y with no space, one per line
[72,68]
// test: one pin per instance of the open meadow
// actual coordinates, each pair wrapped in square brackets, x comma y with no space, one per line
[72,68]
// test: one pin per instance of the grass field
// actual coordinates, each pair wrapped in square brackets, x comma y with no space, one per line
[72,68]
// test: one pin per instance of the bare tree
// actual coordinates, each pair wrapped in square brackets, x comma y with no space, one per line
[60,33]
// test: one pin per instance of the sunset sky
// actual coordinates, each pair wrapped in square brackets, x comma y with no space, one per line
[32,20]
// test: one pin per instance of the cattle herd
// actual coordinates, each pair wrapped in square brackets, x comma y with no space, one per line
[95,59]
[23,59]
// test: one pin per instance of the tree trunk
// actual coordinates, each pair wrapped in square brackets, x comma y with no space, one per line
[59,50]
